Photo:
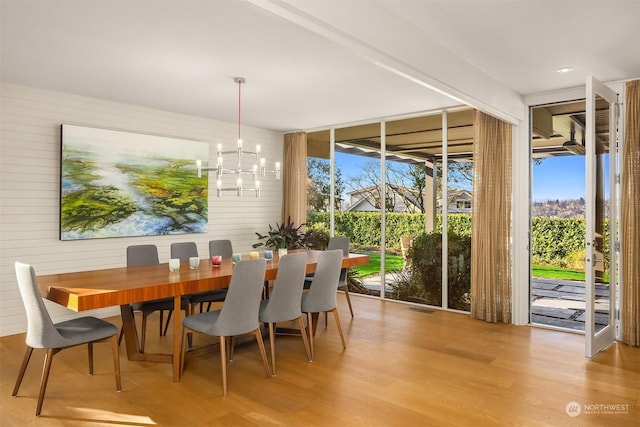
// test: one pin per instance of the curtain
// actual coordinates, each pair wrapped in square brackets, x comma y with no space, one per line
[630,218]
[294,177]
[491,292]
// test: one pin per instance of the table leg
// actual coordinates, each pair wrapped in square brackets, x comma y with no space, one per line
[177,321]
[131,339]
[130,332]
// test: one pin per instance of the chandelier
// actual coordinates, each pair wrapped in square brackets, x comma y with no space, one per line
[257,170]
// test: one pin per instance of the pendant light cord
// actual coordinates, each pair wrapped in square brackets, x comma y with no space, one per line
[239,104]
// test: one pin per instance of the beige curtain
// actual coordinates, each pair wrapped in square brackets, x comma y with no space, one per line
[491,225]
[294,177]
[630,218]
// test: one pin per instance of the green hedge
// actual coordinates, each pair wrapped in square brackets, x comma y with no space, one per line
[556,241]
[555,238]
[560,242]
[363,228]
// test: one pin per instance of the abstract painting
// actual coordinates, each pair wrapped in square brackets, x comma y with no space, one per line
[119,184]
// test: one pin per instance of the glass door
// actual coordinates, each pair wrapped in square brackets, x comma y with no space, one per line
[600,262]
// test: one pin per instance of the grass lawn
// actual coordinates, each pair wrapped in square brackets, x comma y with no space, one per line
[392,262]
[561,273]
[556,273]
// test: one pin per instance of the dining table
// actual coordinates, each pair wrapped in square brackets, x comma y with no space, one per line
[123,286]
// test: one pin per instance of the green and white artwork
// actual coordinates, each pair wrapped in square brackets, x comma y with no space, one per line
[117,184]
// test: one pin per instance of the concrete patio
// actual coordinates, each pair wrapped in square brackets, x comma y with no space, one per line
[561,303]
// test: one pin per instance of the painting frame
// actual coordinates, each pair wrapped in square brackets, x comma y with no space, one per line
[115,183]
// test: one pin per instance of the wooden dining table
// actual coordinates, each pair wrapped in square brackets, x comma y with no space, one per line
[93,289]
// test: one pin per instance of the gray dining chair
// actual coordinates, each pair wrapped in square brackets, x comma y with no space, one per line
[321,297]
[284,303]
[220,247]
[342,243]
[238,316]
[55,337]
[184,251]
[138,255]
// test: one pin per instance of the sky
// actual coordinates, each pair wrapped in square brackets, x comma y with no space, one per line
[554,178]
[559,178]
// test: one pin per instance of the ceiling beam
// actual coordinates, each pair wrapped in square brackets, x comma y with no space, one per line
[355,25]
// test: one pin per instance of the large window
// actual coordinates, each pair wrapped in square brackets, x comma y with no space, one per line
[395,213]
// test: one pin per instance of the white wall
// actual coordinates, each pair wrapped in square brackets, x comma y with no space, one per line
[30,122]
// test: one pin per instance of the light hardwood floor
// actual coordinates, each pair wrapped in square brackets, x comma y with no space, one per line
[401,368]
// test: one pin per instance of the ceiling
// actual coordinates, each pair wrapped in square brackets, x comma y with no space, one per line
[410,140]
[314,64]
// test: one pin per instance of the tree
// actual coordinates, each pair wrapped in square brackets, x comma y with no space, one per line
[319,185]
[460,174]
[417,174]
[459,177]
[367,185]
[404,181]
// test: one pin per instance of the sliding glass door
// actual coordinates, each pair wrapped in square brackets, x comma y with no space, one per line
[405,190]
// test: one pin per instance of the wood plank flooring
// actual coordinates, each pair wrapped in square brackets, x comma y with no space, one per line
[401,368]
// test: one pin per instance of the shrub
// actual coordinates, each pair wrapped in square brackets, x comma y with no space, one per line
[426,269]
[317,236]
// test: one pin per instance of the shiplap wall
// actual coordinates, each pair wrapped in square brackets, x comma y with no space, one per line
[30,120]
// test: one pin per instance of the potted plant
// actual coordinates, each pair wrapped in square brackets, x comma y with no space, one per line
[282,237]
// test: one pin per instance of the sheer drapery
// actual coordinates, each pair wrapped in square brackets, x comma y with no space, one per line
[491,225]
[630,218]
[294,176]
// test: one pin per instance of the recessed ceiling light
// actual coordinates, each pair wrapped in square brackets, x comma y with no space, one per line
[564,70]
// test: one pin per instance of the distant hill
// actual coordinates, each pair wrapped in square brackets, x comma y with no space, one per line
[559,208]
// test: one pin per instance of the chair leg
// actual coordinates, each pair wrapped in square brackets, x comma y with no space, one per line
[161,322]
[23,369]
[335,314]
[143,334]
[223,361]
[272,344]
[345,288]
[265,290]
[116,362]
[183,348]
[166,326]
[263,353]
[310,328]
[48,358]
[232,348]
[90,349]
[305,340]
[187,313]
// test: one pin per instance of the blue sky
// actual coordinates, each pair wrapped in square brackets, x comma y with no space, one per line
[555,178]
[559,178]
[351,165]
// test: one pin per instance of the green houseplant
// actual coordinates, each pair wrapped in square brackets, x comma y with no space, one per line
[282,236]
